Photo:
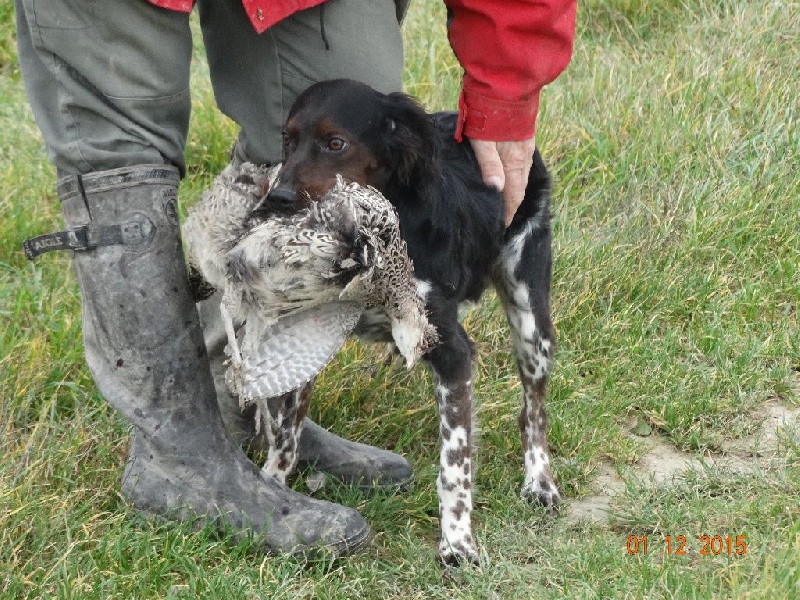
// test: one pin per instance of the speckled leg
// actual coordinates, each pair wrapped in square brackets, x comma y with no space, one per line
[523,284]
[452,367]
[283,420]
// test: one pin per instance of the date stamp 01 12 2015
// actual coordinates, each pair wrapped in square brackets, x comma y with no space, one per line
[681,545]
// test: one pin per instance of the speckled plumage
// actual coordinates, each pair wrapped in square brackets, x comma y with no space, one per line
[220,218]
[299,283]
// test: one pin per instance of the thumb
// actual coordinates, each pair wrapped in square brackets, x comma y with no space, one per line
[489,163]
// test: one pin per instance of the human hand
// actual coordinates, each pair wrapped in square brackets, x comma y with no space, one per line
[506,166]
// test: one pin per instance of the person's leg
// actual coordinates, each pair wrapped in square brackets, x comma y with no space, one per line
[256,79]
[90,82]
[108,82]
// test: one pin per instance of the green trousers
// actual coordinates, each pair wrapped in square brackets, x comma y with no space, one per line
[108,81]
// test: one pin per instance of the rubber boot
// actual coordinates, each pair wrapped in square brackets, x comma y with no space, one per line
[145,348]
[349,462]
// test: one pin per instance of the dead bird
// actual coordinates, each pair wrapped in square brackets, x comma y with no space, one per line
[298,284]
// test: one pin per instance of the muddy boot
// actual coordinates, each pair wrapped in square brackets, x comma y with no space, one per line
[349,462]
[144,346]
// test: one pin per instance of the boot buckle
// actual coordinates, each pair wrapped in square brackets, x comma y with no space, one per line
[74,239]
[138,231]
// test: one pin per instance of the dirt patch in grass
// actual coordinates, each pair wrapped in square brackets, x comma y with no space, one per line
[662,462]
[775,420]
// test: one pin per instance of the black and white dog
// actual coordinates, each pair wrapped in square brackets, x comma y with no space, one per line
[454,227]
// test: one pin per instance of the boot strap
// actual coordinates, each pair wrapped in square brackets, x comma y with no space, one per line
[136,232]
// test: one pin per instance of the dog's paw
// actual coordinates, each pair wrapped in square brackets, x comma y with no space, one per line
[454,553]
[542,491]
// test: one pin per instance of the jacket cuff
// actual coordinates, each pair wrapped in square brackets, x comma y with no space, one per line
[484,118]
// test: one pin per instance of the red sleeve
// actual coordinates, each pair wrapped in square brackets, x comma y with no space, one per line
[509,49]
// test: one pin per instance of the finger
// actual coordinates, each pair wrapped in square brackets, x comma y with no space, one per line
[514,192]
[517,158]
[489,162]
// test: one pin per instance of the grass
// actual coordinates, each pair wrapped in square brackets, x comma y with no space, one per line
[673,139]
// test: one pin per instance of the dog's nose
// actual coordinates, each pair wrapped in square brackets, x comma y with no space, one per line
[283,197]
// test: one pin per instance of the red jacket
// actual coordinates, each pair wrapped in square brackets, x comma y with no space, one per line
[509,49]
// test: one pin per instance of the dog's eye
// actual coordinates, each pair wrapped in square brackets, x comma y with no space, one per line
[336,144]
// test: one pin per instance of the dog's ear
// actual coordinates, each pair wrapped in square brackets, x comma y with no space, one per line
[409,140]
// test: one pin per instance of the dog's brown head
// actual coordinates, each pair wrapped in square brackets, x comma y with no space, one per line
[347,128]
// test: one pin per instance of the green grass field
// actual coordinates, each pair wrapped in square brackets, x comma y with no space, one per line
[674,143]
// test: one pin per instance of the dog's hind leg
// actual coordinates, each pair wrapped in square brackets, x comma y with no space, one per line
[522,281]
[451,361]
[283,419]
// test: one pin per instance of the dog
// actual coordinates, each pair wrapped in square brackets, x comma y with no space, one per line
[453,225]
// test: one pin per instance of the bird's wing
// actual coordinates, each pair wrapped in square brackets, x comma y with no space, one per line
[294,349]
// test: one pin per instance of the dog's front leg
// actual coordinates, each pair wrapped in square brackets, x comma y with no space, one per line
[452,367]
[283,418]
